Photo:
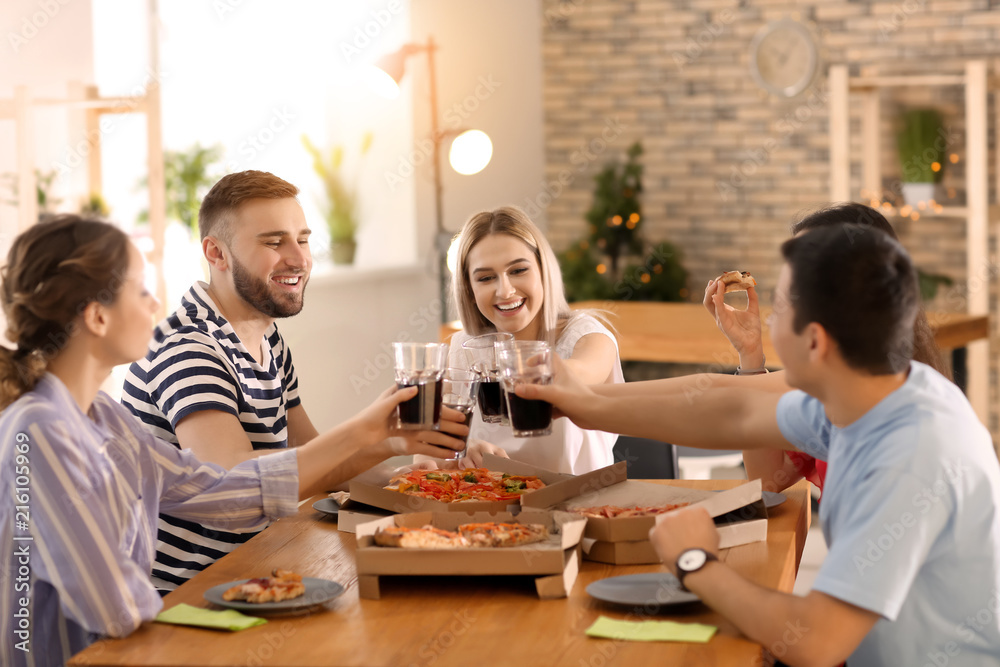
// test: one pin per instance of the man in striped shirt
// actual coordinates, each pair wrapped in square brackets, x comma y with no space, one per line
[218,378]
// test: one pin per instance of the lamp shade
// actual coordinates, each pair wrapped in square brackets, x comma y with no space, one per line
[470,152]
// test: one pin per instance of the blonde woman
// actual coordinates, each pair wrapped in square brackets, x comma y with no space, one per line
[508,280]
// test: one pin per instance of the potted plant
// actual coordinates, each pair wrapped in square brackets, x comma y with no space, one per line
[614,261]
[187,177]
[921,152]
[340,207]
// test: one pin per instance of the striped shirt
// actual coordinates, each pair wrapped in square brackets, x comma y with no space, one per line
[197,362]
[77,521]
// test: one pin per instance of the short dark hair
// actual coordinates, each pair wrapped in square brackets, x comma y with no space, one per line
[859,286]
[226,196]
[838,214]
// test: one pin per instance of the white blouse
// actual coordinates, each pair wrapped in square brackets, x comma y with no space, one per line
[569,448]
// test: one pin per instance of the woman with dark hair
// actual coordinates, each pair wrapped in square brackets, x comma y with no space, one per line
[86,479]
[777,469]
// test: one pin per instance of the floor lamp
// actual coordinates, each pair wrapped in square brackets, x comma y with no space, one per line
[470,152]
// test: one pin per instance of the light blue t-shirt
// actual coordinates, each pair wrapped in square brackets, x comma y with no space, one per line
[910,515]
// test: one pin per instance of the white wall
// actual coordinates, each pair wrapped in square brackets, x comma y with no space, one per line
[343,331]
[44,48]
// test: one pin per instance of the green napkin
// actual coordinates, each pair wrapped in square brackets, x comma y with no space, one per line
[230,619]
[651,631]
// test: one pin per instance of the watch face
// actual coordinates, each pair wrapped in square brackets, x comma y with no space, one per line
[783,58]
[691,560]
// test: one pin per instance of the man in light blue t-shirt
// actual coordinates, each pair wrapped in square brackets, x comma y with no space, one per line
[911,505]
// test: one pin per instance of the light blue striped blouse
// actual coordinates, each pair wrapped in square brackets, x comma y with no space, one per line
[78,518]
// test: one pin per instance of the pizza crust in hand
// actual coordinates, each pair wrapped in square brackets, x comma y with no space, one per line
[737,281]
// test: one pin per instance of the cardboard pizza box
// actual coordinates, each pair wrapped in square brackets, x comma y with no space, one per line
[556,559]
[742,503]
[641,552]
[353,513]
[558,488]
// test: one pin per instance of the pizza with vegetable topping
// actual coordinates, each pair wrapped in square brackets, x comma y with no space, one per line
[451,486]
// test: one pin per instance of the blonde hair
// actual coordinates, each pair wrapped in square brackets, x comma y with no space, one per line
[514,222]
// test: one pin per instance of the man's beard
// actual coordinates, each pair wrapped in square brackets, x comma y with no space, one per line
[259,293]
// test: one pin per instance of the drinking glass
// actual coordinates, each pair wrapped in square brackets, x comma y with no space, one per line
[481,354]
[420,365]
[526,362]
[458,391]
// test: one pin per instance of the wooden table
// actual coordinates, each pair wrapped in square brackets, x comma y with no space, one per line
[684,333]
[446,621]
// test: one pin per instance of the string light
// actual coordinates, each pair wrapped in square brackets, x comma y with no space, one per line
[954,158]
[644,278]
[905,211]
[935,166]
[915,216]
[601,269]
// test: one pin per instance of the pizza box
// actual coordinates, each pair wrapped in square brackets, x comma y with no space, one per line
[353,513]
[742,503]
[641,552]
[555,559]
[558,488]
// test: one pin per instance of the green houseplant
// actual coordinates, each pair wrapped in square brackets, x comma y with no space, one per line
[921,152]
[341,206]
[187,177]
[614,262]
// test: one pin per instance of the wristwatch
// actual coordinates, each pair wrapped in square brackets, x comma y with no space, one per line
[690,561]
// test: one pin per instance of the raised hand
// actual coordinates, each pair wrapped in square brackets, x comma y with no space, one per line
[741,327]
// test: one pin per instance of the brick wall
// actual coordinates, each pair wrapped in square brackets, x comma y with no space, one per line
[729,167]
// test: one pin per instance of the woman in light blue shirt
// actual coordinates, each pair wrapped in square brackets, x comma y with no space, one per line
[82,480]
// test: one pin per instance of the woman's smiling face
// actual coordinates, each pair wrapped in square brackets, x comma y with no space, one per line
[507,284]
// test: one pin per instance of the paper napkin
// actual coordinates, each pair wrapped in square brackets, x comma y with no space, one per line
[230,619]
[651,631]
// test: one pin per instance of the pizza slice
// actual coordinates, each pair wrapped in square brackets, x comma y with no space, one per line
[615,512]
[281,585]
[492,535]
[426,537]
[737,281]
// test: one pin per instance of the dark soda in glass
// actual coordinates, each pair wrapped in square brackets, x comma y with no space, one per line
[423,411]
[491,403]
[528,417]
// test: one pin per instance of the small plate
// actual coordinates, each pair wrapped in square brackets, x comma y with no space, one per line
[317,592]
[651,589]
[327,506]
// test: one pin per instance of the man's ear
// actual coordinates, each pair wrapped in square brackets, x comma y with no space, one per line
[820,343]
[215,252]
[94,319]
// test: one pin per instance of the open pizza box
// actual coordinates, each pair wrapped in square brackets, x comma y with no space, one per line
[554,562]
[739,514]
[558,488]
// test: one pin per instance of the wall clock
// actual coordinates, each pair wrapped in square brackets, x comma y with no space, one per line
[784,57]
